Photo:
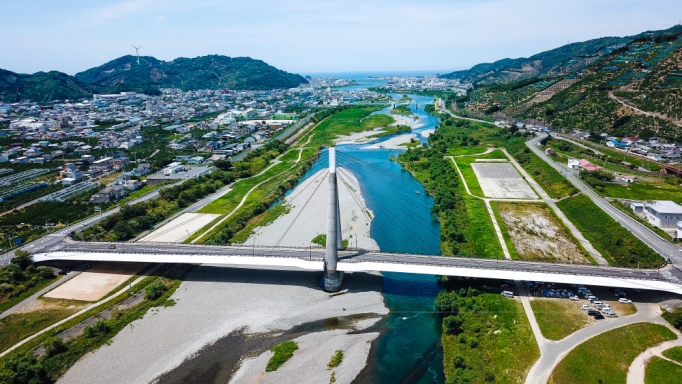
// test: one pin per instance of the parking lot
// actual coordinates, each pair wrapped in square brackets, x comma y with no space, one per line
[502,180]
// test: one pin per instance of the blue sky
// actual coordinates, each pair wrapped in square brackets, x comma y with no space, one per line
[313,36]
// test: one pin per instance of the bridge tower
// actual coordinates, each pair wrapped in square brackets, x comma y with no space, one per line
[332,277]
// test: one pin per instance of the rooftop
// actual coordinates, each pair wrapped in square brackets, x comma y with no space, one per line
[666,206]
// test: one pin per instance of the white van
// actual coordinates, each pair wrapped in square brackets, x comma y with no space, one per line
[597,304]
[508,294]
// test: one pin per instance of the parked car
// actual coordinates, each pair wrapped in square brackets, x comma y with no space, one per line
[611,314]
[599,316]
[507,294]
[592,312]
[624,301]
[591,298]
[585,307]
[596,303]
[619,294]
[574,298]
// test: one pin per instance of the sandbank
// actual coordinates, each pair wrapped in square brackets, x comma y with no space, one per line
[315,351]
[214,301]
[308,215]
[392,143]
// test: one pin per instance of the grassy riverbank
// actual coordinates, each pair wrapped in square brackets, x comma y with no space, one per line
[480,327]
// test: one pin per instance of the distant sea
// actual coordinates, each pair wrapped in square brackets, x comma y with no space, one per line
[362,75]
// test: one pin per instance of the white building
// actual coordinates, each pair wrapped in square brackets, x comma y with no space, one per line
[663,213]
[573,164]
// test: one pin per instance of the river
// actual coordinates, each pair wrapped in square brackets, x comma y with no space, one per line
[409,348]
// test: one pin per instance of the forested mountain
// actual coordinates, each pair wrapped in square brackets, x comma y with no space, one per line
[632,91]
[41,87]
[560,61]
[125,74]
[205,72]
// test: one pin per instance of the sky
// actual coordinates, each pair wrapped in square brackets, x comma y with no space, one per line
[309,37]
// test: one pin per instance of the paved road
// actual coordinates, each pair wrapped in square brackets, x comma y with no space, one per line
[657,243]
[355,256]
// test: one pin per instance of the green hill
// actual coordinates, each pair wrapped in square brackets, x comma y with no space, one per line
[633,90]
[125,74]
[41,87]
[205,72]
[560,61]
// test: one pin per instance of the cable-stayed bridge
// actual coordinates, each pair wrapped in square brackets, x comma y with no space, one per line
[334,261]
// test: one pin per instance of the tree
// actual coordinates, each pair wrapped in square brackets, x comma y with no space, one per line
[22,258]
[453,325]
[223,165]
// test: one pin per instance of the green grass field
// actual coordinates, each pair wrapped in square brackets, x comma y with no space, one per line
[482,239]
[558,318]
[464,165]
[606,358]
[660,371]
[613,241]
[348,122]
[644,191]
[16,327]
[674,354]
[498,333]
[505,233]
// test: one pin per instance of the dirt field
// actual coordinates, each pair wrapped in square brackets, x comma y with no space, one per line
[537,234]
[96,282]
[502,180]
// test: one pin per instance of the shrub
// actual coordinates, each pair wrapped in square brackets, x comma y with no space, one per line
[674,317]
[282,353]
[336,359]
[55,346]
[97,329]
[154,290]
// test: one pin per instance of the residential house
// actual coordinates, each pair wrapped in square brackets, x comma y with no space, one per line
[587,166]
[108,194]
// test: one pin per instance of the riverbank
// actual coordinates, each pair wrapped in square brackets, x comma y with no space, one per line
[307,216]
[212,303]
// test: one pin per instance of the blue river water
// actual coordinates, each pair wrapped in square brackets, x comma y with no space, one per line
[408,349]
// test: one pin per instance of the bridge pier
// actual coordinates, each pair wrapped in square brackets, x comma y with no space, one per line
[333,278]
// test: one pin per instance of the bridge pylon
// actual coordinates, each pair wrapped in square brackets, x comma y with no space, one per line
[332,277]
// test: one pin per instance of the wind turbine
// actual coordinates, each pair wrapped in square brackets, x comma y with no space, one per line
[137,52]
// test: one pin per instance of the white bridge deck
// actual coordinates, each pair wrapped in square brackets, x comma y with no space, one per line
[359,260]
